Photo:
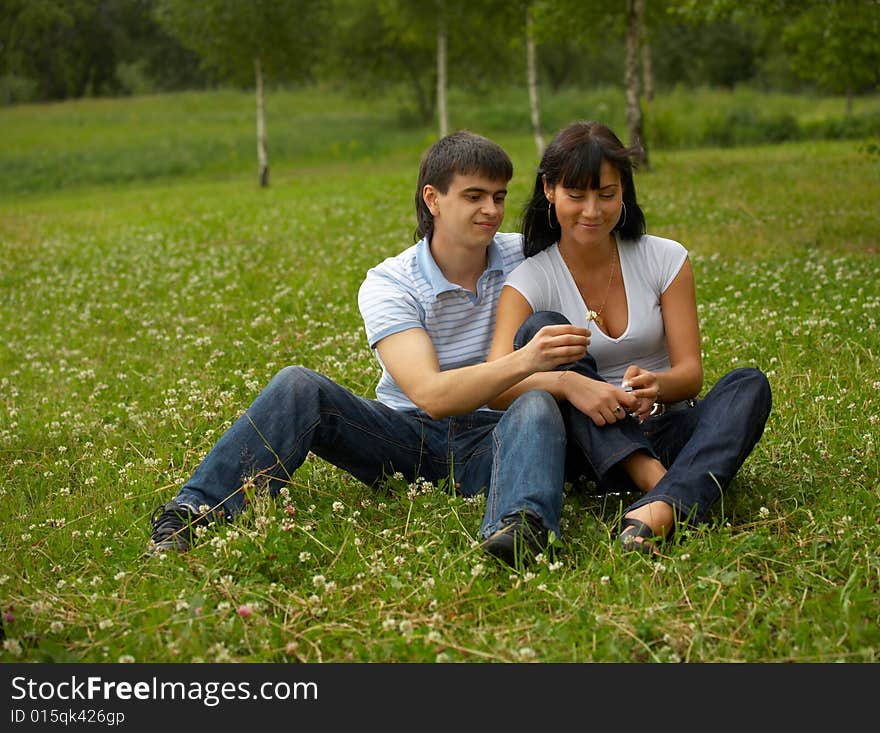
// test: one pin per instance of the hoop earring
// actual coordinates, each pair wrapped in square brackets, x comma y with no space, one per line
[550,217]
[621,222]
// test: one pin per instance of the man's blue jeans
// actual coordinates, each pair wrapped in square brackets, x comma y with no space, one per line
[516,457]
[702,447]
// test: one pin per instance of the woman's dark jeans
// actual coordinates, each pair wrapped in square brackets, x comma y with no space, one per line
[702,446]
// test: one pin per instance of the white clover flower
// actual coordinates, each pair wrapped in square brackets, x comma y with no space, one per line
[604,580]
[477,569]
[105,623]
[56,627]
[338,506]
[13,646]
[126,659]
[526,653]
[763,512]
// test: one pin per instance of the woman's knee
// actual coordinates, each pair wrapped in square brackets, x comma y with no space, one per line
[753,380]
[535,323]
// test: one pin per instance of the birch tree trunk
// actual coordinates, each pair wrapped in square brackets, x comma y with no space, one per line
[533,82]
[633,105]
[442,114]
[262,158]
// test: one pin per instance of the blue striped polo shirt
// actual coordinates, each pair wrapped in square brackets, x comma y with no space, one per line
[410,291]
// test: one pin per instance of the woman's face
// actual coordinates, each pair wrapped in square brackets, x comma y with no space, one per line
[587,215]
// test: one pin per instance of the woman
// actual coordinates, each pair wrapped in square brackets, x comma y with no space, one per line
[589,260]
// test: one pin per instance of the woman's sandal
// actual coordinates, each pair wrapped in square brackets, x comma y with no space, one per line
[630,530]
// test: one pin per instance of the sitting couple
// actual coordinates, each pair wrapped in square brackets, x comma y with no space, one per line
[510,360]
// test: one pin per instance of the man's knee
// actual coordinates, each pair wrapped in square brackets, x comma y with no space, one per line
[537,410]
[294,383]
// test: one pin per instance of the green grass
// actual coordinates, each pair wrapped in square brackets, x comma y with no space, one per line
[137,321]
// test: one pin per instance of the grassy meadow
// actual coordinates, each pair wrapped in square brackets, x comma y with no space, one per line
[149,289]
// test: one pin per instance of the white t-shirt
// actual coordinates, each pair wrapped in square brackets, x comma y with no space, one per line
[648,266]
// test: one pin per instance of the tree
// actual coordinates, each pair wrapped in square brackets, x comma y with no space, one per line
[381,44]
[245,40]
[394,44]
[635,17]
[837,45]
[442,71]
[833,43]
[532,78]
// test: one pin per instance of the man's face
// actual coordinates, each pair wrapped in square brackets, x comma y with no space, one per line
[470,212]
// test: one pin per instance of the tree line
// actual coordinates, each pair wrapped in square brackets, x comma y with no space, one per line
[60,49]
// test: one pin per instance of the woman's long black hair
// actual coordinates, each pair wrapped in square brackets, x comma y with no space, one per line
[573,159]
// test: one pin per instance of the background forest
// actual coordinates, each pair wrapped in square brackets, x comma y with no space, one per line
[62,49]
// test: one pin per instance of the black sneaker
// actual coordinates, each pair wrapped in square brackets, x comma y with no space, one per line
[172,528]
[519,537]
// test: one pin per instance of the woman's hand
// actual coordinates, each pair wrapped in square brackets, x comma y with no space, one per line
[645,388]
[603,403]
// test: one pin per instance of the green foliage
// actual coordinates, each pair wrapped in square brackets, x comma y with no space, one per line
[392,44]
[138,321]
[285,35]
[57,49]
[835,44]
[76,48]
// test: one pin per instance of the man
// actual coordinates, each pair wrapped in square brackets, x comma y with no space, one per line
[429,314]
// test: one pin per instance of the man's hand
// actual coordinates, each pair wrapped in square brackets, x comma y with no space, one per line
[554,346]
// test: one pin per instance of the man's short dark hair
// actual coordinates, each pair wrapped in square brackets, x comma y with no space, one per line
[463,153]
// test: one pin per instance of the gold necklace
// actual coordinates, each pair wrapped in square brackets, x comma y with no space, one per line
[597,315]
